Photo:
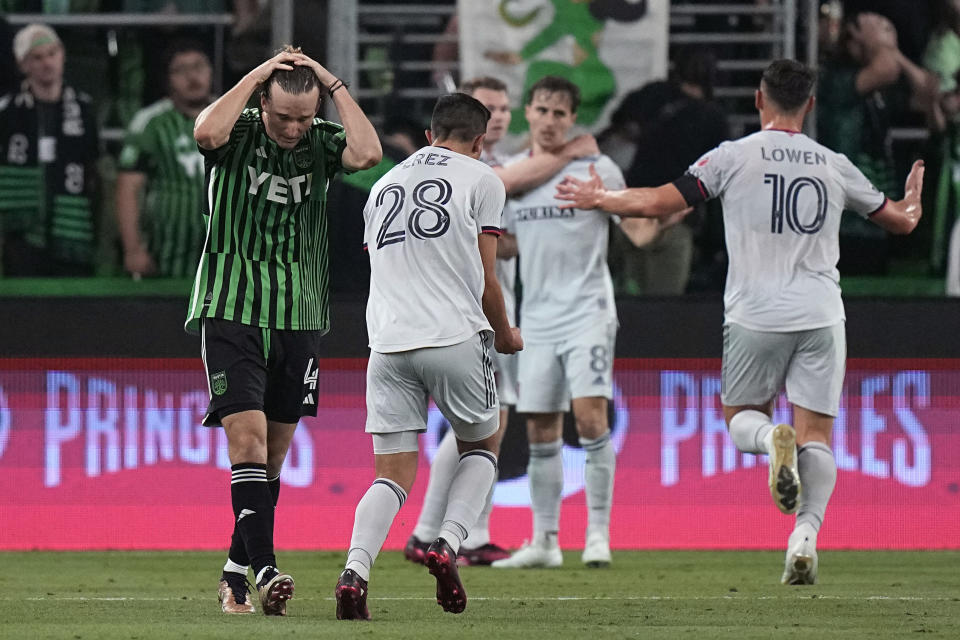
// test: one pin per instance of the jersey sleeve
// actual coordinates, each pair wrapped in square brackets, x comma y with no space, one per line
[713,169]
[332,141]
[860,195]
[488,199]
[242,129]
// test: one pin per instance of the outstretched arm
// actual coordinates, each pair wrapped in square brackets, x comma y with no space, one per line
[901,216]
[655,202]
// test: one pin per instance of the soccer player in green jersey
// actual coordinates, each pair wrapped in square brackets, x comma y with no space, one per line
[160,155]
[260,298]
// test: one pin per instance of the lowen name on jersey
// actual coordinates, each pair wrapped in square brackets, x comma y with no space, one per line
[280,189]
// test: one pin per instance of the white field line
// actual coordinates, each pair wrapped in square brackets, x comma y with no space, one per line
[55,598]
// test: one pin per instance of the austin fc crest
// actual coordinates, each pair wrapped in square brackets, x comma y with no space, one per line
[218,383]
[303,156]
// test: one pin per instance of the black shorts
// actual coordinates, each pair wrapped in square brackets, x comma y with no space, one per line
[253,368]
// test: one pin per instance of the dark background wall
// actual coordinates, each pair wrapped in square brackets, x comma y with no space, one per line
[687,327]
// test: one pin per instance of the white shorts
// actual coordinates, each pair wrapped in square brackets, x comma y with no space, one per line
[757,364]
[550,374]
[458,377]
[505,367]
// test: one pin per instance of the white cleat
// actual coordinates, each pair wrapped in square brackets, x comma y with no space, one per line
[784,477]
[801,563]
[596,553]
[538,554]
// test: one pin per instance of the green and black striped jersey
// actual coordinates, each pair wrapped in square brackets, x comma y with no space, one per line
[264,262]
[159,143]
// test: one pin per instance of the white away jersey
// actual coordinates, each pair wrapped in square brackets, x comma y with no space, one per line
[506,267]
[782,196]
[421,225]
[563,257]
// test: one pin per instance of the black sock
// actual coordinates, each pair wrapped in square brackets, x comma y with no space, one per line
[238,550]
[253,508]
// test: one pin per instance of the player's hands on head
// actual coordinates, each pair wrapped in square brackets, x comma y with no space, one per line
[581,194]
[582,146]
[283,61]
[509,342]
[324,76]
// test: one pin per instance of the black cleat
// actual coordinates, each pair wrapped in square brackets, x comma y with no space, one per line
[442,563]
[351,595]
[482,556]
[416,550]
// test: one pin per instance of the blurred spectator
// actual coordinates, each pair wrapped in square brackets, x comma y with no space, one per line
[866,79]
[140,72]
[670,123]
[943,59]
[161,158]
[911,19]
[445,53]
[49,143]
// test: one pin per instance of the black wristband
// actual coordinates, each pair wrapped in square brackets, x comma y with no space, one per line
[337,84]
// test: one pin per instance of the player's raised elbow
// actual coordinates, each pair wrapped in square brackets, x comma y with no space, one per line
[207,139]
[903,225]
[362,157]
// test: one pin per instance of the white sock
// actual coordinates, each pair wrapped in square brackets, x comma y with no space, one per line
[818,476]
[545,475]
[601,464]
[480,532]
[750,430]
[468,491]
[375,513]
[234,567]
[442,468]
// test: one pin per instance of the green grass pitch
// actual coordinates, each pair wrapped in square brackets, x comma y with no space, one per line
[644,594]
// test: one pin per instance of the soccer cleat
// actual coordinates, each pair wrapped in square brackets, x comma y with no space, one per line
[596,552]
[482,556]
[801,563]
[416,550]
[537,554]
[442,564]
[275,589]
[351,595]
[234,593]
[784,477]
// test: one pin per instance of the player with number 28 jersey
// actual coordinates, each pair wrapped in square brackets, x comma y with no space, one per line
[418,229]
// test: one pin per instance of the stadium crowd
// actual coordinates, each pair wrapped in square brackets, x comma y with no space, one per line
[73,204]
